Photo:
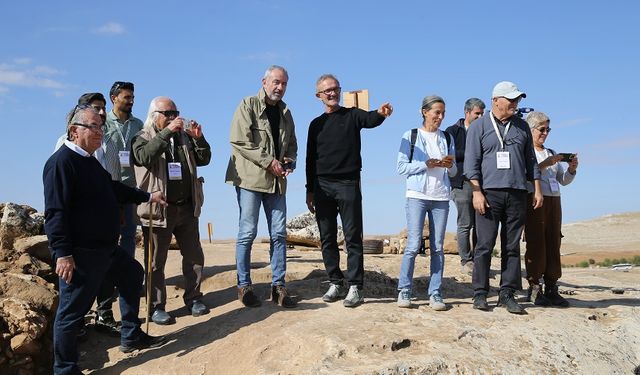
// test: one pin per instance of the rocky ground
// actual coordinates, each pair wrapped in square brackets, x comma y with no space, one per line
[599,334]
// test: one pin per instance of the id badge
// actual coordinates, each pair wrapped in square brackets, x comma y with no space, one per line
[124,158]
[175,171]
[553,183]
[502,160]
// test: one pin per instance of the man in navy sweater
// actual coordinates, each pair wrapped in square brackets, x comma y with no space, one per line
[82,222]
[333,185]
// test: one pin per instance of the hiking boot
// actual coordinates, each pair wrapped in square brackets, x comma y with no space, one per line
[198,308]
[551,292]
[280,296]
[354,297]
[436,302]
[247,297]
[480,302]
[161,317]
[335,292]
[535,295]
[404,298]
[507,299]
[144,341]
[105,323]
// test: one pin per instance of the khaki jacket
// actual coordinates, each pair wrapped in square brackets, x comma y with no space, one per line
[252,145]
[153,176]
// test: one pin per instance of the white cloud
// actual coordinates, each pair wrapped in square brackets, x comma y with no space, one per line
[110,28]
[22,74]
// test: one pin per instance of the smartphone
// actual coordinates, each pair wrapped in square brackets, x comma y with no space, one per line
[566,157]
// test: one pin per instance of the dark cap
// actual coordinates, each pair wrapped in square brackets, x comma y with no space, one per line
[91,96]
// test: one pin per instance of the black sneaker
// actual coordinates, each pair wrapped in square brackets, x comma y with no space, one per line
[280,296]
[105,323]
[551,293]
[480,302]
[247,297]
[144,341]
[535,295]
[507,299]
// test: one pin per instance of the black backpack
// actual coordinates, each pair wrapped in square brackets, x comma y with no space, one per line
[414,136]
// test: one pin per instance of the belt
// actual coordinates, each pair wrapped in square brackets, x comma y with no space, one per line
[180,202]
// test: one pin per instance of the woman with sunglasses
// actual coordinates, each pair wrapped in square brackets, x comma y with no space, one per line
[542,229]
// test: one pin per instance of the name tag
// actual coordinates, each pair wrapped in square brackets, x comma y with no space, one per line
[553,183]
[502,159]
[175,171]
[124,158]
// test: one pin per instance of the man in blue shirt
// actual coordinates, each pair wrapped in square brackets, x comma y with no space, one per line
[499,160]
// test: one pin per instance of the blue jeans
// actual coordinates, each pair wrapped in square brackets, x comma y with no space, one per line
[275,208]
[417,209]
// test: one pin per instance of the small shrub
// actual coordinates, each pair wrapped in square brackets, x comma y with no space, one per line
[592,261]
[583,264]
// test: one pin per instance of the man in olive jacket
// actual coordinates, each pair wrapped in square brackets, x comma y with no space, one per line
[263,154]
[166,153]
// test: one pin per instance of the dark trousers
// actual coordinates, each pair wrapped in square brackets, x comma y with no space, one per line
[182,224]
[542,235]
[333,197]
[108,293]
[508,210]
[76,298]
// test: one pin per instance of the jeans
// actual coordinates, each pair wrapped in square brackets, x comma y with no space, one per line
[108,293]
[275,209]
[76,298]
[437,211]
[466,233]
[508,209]
[333,196]
[184,226]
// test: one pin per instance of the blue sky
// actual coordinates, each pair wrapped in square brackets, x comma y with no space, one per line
[576,60]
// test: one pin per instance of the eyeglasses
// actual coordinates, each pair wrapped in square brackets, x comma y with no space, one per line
[170,113]
[121,85]
[544,130]
[79,108]
[94,128]
[331,90]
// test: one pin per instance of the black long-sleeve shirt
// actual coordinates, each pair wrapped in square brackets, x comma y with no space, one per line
[333,143]
[81,203]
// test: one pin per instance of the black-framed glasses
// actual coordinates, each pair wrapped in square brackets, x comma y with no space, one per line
[330,90]
[170,113]
[94,128]
[544,130]
[78,108]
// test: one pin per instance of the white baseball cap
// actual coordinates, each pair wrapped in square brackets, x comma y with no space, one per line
[508,90]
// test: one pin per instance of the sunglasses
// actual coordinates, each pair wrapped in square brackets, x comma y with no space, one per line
[544,130]
[170,113]
[94,128]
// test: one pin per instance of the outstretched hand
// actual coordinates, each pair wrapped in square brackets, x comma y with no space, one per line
[385,109]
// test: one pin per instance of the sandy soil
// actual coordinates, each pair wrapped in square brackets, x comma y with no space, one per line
[599,334]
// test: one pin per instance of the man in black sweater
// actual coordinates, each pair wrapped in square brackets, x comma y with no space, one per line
[82,222]
[333,185]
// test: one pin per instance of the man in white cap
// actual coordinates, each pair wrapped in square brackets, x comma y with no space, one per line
[499,160]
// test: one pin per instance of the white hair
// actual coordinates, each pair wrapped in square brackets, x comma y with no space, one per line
[272,68]
[152,114]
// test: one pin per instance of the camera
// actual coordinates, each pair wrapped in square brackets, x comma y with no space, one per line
[521,111]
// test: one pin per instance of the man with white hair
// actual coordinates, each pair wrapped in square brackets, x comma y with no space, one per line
[498,162]
[82,223]
[263,154]
[166,154]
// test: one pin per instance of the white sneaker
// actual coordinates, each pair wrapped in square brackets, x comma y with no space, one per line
[354,297]
[335,292]
[404,298]
[436,303]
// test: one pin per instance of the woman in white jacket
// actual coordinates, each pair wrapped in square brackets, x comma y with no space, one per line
[428,162]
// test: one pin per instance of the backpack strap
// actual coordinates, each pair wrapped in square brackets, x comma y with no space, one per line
[414,136]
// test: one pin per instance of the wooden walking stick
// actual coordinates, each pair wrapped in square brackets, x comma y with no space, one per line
[149,266]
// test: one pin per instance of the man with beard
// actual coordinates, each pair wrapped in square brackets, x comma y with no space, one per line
[498,162]
[82,223]
[263,154]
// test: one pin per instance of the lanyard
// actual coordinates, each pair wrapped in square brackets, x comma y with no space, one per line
[495,127]
[125,136]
